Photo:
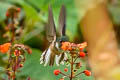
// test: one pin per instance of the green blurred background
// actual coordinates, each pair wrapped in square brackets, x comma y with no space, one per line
[34,15]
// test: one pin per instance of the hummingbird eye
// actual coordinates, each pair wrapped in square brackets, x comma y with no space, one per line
[60,41]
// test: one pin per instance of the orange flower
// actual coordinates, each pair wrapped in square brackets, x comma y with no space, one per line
[5,47]
[65,45]
[82,45]
[69,48]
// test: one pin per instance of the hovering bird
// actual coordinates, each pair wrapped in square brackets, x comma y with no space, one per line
[54,52]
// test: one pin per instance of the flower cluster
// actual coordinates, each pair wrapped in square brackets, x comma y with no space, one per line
[17,58]
[75,51]
[72,46]
[14,50]
[12,24]
[57,72]
[13,11]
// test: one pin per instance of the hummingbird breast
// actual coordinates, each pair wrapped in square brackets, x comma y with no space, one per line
[55,48]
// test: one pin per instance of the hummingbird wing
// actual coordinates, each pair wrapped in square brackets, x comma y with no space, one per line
[50,28]
[60,59]
[47,57]
[62,21]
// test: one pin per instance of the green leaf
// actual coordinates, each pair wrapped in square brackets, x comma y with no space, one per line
[115,13]
[3,9]
[32,68]
[72,18]
[32,16]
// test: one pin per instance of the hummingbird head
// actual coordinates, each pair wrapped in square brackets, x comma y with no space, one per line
[59,40]
[62,39]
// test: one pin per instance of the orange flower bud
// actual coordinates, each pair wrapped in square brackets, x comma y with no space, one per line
[87,73]
[28,78]
[20,65]
[82,54]
[66,69]
[7,14]
[61,79]
[28,49]
[9,73]
[17,52]
[56,72]
[18,9]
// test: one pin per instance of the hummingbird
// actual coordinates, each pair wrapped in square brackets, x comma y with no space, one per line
[54,53]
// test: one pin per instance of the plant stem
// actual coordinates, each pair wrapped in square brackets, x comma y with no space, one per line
[13,76]
[13,30]
[16,64]
[76,58]
[78,74]
[64,74]
[71,77]
[9,77]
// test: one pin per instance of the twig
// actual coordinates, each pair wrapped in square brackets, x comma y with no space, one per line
[78,74]
[13,29]
[76,58]
[64,74]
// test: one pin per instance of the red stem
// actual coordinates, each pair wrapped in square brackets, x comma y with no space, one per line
[71,77]
[13,29]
